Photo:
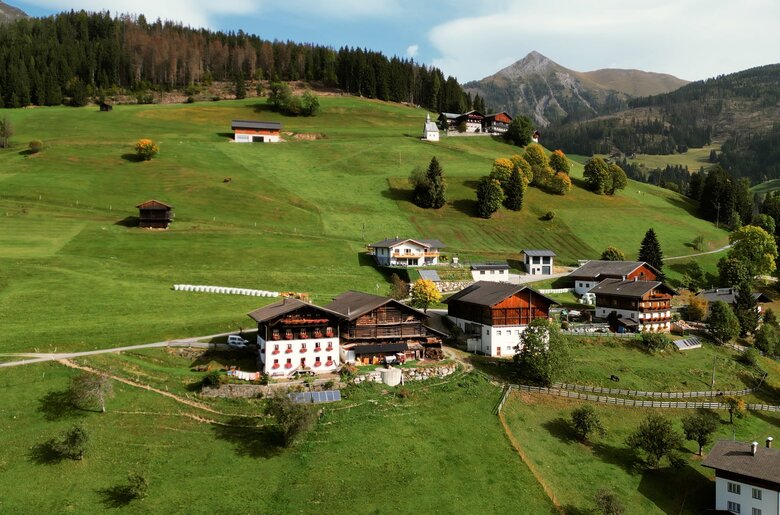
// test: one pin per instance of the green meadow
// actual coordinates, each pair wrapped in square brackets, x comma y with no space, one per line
[295,216]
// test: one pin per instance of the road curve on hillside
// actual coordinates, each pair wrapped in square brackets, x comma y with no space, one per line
[698,254]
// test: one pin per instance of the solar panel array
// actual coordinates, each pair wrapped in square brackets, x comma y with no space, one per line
[430,275]
[316,397]
[688,343]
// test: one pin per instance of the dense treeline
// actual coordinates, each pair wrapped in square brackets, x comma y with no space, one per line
[723,199]
[72,55]
[673,177]
[755,156]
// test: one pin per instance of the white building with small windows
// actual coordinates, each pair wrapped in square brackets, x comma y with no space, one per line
[538,262]
[493,272]
[747,477]
[430,131]
[293,336]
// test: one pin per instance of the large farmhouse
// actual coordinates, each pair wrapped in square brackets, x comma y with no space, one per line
[373,328]
[593,272]
[471,121]
[492,315]
[496,123]
[249,131]
[729,296]
[747,477]
[405,252]
[634,306]
[293,335]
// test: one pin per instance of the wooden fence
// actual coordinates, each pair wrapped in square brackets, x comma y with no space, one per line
[637,403]
[661,395]
[556,290]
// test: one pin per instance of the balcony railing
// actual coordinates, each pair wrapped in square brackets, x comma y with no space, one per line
[414,254]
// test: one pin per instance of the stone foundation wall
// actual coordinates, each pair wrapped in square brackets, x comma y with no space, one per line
[411,374]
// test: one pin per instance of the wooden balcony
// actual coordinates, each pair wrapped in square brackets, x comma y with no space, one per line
[432,253]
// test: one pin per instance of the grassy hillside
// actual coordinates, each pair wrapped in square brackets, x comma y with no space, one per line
[295,216]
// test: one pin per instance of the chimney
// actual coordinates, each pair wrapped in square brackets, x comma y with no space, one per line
[753,447]
[769,442]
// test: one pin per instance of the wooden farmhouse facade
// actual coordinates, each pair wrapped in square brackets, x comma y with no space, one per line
[293,335]
[374,327]
[632,305]
[496,123]
[250,131]
[593,272]
[154,214]
[493,315]
[475,122]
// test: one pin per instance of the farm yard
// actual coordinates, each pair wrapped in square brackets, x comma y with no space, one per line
[284,222]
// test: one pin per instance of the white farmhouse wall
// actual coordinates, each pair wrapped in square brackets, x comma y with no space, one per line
[275,352]
[493,341]
[432,135]
[583,287]
[495,276]
[769,504]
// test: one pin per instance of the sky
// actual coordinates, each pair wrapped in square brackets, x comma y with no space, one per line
[692,39]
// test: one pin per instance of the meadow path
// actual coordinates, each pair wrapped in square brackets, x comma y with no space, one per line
[698,254]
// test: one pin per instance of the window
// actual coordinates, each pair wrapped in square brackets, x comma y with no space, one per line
[757,493]
[734,507]
[303,362]
[735,488]
[276,362]
[756,511]
[498,333]
[481,272]
[487,332]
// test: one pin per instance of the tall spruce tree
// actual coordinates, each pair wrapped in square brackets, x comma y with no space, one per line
[436,184]
[746,309]
[514,191]
[650,251]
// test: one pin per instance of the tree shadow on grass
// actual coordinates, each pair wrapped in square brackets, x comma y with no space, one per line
[45,454]
[620,456]
[253,442]
[58,405]
[262,108]
[672,490]
[570,509]
[117,496]
[226,135]
[132,158]
[560,429]
[466,206]
[398,194]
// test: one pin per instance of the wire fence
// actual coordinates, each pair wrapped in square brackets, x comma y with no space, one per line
[637,403]
[662,395]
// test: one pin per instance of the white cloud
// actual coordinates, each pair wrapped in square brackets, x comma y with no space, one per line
[341,9]
[692,39]
[412,51]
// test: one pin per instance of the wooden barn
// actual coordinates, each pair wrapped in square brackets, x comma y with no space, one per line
[374,328]
[249,131]
[493,315]
[154,214]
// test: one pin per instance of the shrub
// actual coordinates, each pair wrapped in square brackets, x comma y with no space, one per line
[347,372]
[766,338]
[189,100]
[292,418]
[214,378]
[653,342]
[585,422]
[549,215]
[72,444]
[560,184]
[36,146]
[608,503]
[137,486]
[146,149]
[749,357]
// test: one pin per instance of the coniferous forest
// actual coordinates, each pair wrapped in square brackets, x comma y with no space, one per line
[74,55]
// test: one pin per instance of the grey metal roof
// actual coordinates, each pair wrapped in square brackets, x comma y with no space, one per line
[729,295]
[489,266]
[539,253]
[736,457]
[487,293]
[601,269]
[430,275]
[449,116]
[251,124]
[285,306]
[431,127]
[628,288]
[392,242]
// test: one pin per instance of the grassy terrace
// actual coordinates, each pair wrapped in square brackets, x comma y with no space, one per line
[375,452]
[295,216]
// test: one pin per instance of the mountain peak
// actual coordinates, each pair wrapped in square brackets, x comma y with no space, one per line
[533,63]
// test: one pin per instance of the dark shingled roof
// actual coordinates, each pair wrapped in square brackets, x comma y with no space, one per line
[154,204]
[283,307]
[729,295]
[489,266]
[737,458]
[353,304]
[628,288]
[391,242]
[486,293]
[538,253]
[599,269]
[251,124]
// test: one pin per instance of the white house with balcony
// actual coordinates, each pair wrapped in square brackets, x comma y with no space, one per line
[747,477]
[293,335]
[406,252]
[632,305]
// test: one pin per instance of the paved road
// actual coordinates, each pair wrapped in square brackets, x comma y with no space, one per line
[40,357]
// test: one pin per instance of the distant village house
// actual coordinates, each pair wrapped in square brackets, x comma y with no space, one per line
[729,296]
[631,305]
[492,272]
[538,262]
[593,272]
[249,131]
[405,252]
[475,122]
[493,315]
[496,123]
[154,214]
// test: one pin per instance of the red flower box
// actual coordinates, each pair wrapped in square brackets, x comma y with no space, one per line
[317,349]
[329,347]
[276,336]
[276,351]
[317,364]
[329,362]
[328,332]
[288,351]
[288,365]
[275,366]
[303,349]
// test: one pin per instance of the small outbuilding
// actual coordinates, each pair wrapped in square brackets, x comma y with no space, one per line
[154,214]
[431,131]
[491,272]
[250,131]
[538,262]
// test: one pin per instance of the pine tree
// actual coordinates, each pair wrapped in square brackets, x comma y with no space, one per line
[489,197]
[436,183]
[240,85]
[650,251]
[746,309]
[514,191]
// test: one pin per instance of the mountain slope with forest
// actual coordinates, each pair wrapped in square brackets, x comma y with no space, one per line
[549,93]
[9,13]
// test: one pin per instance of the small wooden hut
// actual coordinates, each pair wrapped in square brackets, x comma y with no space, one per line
[154,214]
